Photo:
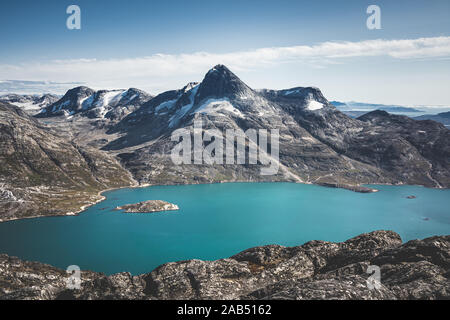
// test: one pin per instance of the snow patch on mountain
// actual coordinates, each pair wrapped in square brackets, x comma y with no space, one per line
[217,106]
[58,107]
[314,105]
[291,92]
[31,104]
[175,119]
[110,98]
[86,102]
[165,105]
[28,106]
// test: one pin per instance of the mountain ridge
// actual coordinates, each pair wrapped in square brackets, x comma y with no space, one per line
[82,100]
[443,117]
[32,104]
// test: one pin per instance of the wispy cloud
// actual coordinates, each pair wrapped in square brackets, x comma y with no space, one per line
[35,87]
[159,68]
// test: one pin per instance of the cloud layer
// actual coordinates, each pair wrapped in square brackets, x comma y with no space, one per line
[35,87]
[159,68]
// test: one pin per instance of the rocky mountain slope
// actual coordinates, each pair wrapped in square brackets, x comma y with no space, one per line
[417,152]
[418,269]
[109,104]
[43,173]
[318,143]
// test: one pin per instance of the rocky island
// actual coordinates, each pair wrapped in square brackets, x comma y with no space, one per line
[149,206]
[418,269]
[355,188]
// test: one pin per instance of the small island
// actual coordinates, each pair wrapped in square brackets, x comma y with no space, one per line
[148,207]
[355,188]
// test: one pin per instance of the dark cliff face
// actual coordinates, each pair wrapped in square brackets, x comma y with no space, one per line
[71,102]
[221,82]
[418,269]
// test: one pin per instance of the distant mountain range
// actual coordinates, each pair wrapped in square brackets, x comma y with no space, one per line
[111,104]
[103,139]
[443,117]
[361,106]
[357,109]
[30,103]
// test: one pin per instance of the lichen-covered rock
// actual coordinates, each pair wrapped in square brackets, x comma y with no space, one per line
[418,269]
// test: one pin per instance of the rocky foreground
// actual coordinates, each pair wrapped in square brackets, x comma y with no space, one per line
[418,269]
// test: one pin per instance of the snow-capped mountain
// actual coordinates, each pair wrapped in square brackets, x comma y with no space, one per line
[220,94]
[111,104]
[31,104]
[318,143]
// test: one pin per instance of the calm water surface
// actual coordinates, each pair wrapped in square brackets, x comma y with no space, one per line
[219,220]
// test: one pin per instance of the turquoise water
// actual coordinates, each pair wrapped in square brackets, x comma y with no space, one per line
[219,220]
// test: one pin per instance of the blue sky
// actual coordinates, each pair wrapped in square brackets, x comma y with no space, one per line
[156,45]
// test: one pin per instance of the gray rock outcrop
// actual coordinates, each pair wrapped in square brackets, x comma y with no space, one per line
[418,269]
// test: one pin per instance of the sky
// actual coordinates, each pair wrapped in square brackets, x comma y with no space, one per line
[162,45]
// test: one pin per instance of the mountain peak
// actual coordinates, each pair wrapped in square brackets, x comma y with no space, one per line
[189,86]
[80,89]
[374,114]
[77,93]
[220,68]
[220,82]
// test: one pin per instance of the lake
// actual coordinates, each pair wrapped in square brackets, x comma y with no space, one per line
[219,220]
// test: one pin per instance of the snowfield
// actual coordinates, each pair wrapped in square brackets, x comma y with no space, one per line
[216,106]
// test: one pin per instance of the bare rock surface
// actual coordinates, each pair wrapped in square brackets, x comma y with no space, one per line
[418,269]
